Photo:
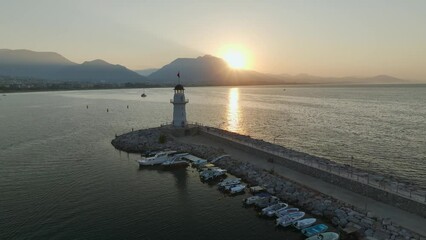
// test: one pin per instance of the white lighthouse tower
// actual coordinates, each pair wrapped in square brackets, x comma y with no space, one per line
[179,101]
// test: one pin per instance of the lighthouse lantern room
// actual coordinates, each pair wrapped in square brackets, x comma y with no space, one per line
[179,101]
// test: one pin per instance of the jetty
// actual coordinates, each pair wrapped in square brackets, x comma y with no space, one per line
[357,202]
[349,198]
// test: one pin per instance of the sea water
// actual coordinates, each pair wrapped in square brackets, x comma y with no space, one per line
[60,178]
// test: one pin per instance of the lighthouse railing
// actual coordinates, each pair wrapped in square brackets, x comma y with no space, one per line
[185,101]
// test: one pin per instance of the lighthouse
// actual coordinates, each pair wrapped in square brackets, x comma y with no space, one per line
[179,102]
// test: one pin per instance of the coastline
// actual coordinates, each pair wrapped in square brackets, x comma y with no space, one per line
[339,213]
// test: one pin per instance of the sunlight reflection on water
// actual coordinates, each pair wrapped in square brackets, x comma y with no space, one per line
[233,111]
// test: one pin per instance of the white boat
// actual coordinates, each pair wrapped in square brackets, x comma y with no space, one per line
[176,161]
[206,166]
[304,223]
[228,187]
[229,181]
[206,173]
[251,200]
[212,173]
[199,162]
[283,212]
[158,158]
[290,218]
[238,189]
[325,236]
[270,211]
[256,189]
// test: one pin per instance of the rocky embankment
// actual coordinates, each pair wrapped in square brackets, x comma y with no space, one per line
[159,139]
[336,212]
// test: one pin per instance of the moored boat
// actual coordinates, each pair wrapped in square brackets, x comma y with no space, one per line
[228,182]
[290,218]
[158,158]
[325,236]
[270,211]
[175,162]
[212,173]
[256,189]
[205,166]
[251,200]
[311,231]
[304,223]
[239,188]
[266,201]
[285,211]
[199,162]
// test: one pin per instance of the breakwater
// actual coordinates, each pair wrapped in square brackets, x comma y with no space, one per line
[338,213]
[402,195]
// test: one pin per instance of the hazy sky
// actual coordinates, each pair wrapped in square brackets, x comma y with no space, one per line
[327,38]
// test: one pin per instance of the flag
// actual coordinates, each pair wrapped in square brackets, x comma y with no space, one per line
[178,74]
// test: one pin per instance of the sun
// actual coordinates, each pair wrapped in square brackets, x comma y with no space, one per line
[235,59]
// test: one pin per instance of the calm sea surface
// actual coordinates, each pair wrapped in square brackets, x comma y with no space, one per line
[60,178]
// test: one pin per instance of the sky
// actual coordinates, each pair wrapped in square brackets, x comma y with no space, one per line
[324,38]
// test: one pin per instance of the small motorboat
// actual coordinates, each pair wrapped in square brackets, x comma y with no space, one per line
[239,188]
[175,162]
[212,173]
[304,223]
[251,200]
[227,188]
[290,218]
[158,158]
[325,236]
[204,167]
[150,153]
[199,162]
[270,211]
[256,189]
[266,202]
[314,230]
[285,211]
[229,181]
[143,94]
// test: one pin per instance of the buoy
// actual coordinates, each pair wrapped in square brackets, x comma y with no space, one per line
[87,106]
[127,106]
[107,110]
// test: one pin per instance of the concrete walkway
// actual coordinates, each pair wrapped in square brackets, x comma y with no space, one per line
[403,218]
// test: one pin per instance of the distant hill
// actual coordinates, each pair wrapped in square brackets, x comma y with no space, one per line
[146,72]
[99,71]
[52,66]
[306,79]
[25,63]
[208,70]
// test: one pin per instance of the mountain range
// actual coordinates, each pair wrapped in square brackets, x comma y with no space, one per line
[201,71]
[208,70]
[53,66]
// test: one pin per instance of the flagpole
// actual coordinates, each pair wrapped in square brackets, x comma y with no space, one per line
[178,75]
